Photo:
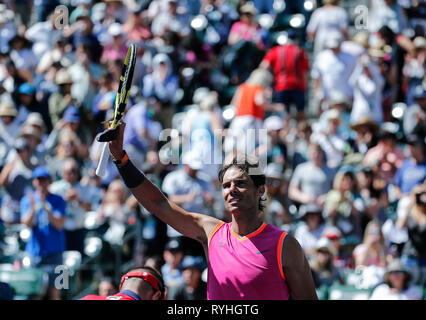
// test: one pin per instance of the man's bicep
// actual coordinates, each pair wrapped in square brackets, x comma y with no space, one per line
[297,270]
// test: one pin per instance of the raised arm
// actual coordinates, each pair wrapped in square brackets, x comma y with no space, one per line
[193,225]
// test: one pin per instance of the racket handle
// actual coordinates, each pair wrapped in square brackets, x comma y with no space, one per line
[103,161]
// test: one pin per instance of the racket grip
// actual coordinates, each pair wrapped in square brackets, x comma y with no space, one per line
[103,161]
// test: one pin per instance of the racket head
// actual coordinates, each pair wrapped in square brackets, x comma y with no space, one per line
[122,97]
[124,85]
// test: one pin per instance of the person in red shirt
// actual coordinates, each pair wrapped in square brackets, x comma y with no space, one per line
[289,64]
[143,283]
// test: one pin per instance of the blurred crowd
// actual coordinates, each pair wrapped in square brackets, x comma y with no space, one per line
[333,104]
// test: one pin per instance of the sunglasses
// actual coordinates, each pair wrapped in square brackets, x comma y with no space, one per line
[145,276]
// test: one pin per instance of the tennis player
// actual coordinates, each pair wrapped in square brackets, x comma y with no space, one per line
[143,283]
[247,258]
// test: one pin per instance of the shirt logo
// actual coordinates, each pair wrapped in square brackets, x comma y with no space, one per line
[260,252]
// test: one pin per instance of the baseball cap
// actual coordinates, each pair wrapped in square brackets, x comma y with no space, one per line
[273,123]
[26,88]
[40,172]
[192,262]
[8,109]
[71,114]
[309,208]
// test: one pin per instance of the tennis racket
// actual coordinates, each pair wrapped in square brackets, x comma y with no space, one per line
[123,91]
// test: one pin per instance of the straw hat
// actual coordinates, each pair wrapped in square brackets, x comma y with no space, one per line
[248,8]
[30,131]
[35,119]
[365,121]
[7,109]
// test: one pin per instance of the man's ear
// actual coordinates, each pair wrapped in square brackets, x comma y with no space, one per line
[156,296]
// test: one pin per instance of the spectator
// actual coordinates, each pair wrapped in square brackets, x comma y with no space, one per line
[415,114]
[396,284]
[275,212]
[311,229]
[114,211]
[328,137]
[372,189]
[27,103]
[372,251]
[342,258]
[246,29]
[311,180]
[367,84]
[413,254]
[386,155]
[193,288]
[104,100]
[366,135]
[117,50]
[107,286]
[332,70]
[251,100]
[303,135]
[84,73]
[81,33]
[325,20]
[44,213]
[387,13]
[289,63]
[143,132]
[15,177]
[9,126]
[78,203]
[170,19]
[161,84]
[414,68]
[204,130]
[324,272]
[43,33]
[61,100]
[22,55]
[275,149]
[173,256]
[188,188]
[344,206]
[413,169]
[137,27]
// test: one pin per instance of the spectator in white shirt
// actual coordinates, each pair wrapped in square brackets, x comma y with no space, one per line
[332,69]
[325,20]
[328,138]
[367,83]
[396,284]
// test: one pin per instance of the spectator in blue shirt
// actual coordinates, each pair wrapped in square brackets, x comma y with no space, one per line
[44,213]
[413,170]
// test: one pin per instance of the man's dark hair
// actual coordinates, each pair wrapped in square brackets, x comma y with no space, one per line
[247,165]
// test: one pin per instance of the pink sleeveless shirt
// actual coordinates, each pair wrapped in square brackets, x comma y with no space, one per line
[248,267]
